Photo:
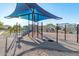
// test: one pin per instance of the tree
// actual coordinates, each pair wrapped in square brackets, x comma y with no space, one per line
[1,25]
[50,26]
[17,28]
[10,29]
[59,28]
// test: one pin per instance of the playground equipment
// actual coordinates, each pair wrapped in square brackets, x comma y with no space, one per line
[32,12]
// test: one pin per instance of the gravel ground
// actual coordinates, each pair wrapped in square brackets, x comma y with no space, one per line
[37,52]
[69,37]
[30,48]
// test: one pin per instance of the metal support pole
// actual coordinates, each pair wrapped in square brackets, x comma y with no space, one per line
[57,33]
[37,29]
[37,26]
[6,47]
[65,32]
[19,28]
[41,30]
[32,29]
[32,22]
[28,25]
[77,32]
[33,19]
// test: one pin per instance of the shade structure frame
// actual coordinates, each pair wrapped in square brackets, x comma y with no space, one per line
[31,6]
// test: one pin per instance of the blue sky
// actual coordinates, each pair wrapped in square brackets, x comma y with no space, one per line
[68,11]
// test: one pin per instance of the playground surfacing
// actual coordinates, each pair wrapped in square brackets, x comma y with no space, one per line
[38,47]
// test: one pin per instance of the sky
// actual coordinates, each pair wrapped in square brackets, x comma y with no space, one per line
[68,11]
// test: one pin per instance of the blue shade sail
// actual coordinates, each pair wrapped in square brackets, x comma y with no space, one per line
[31,11]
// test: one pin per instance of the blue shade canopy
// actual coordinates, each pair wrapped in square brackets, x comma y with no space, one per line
[31,11]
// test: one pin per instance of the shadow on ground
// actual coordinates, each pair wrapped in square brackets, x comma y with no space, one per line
[45,45]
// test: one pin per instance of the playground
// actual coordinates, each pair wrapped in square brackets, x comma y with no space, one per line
[36,40]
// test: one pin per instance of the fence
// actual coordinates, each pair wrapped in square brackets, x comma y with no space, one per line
[67,32]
